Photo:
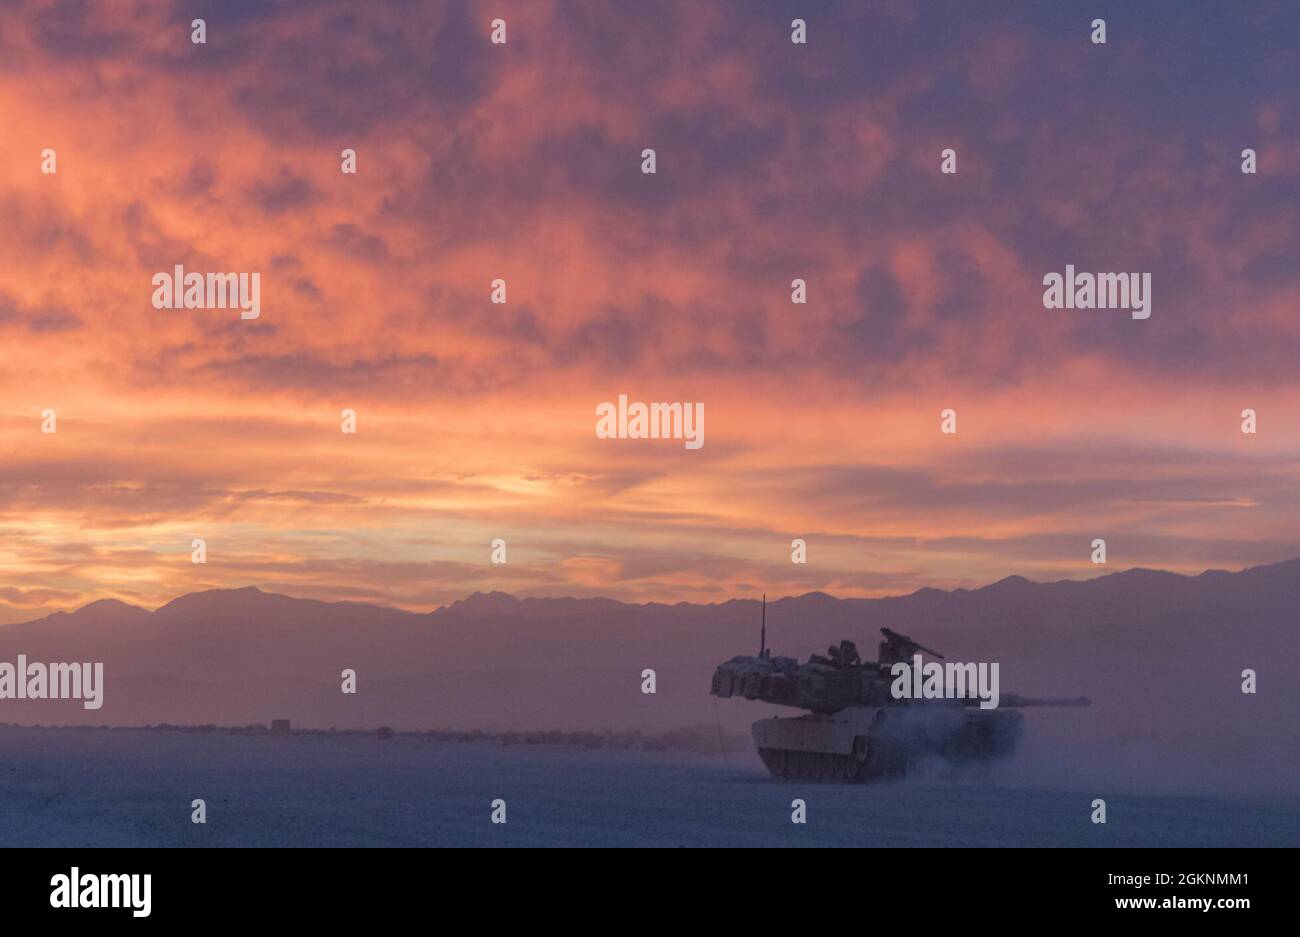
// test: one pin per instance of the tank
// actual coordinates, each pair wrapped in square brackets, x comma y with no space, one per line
[854,729]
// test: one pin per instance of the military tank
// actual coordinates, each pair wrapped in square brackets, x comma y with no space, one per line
[855,730]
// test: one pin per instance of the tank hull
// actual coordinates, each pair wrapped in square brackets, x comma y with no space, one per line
[869,743]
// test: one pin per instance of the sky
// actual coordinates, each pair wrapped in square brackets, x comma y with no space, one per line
[523,161]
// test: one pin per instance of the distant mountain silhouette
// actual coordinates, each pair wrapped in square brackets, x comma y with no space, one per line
[1160,654]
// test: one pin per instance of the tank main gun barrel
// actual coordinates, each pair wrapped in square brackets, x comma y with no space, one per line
[1012,700]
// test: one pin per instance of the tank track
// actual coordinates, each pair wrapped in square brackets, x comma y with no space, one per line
[855,768]
[979,740]
[816,766]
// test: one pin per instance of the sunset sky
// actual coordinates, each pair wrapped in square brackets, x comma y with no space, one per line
[522,161]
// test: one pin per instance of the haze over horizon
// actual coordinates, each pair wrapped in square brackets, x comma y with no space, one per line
[1161,657]
[521,162]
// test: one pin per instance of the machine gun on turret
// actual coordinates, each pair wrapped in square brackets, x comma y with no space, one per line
[899,647]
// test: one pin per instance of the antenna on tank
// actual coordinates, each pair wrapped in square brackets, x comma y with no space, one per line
[762,641]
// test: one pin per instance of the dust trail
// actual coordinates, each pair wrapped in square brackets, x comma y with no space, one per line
[1080,752]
